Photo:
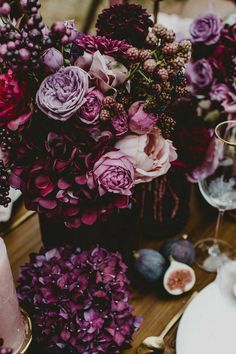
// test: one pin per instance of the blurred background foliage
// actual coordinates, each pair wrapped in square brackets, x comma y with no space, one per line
[54,10]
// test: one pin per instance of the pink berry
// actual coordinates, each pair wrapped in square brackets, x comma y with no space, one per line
[11,45]
[58,27]
[24,54]
[5,9]
[65,39]
[3,50]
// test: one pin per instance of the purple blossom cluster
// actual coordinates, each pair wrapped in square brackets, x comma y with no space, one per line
[92,121]
[211,75]
[212,71]
[78,300]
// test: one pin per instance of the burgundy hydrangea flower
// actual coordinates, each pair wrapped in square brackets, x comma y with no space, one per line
[228,34]
[50,169]
[125,21]
[106,46]
[78,300]
[192,147]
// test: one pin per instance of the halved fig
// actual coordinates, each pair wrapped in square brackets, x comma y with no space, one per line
[179,278]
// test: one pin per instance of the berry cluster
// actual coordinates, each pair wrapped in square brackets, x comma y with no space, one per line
[20,46]
[8,139]
[158,69]
[4,186]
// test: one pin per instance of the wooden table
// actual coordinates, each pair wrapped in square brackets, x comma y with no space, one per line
[155,310]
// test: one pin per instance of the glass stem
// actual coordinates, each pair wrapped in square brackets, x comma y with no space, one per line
[218,224]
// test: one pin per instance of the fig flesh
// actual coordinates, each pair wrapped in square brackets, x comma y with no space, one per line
[150,264]
[179,278]
[182,250]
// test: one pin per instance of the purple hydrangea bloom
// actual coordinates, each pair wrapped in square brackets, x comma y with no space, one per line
[78,300]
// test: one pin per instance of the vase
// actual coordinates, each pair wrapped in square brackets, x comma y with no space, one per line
[160,210]
[163,206]
[121,232]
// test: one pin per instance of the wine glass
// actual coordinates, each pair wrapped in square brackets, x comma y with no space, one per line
[219,190]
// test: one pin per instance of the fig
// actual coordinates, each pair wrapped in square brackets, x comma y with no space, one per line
[150,264]
[179,278]
[182,250]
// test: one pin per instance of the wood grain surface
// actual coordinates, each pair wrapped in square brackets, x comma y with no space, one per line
[155,308]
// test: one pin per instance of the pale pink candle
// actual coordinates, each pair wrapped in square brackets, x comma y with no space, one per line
[11,324]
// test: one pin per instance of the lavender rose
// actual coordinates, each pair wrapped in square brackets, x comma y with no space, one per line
[222,94]
[206,29]
[62,94]
[89,111]
[199,74]
[141,122]
[52,59]
[219,92]
[112,173]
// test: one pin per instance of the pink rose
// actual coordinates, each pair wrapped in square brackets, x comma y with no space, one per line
[112,173]
[141,122]
[107,72]
[90,110]
[150,154]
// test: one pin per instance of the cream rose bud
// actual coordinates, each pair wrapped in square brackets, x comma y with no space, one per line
[107,72]
[150,154]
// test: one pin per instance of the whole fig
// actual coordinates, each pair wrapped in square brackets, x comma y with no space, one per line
[150,264]
[182,250]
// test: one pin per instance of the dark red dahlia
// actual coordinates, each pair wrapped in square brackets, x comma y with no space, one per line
[78,301]
[125,21]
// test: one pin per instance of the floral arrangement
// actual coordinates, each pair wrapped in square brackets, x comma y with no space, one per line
[83,118]
[78,300]
[211,75]
[4,350]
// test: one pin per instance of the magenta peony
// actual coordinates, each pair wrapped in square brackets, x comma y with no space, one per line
[90,110]
[78,301]
[150,154]
[113,173]
[62,94]
[141,122]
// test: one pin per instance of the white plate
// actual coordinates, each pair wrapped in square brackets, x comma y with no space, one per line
[208,325]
